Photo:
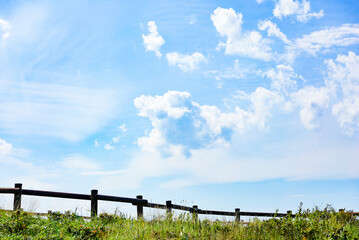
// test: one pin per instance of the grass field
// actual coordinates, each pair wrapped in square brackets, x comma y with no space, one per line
[308,224]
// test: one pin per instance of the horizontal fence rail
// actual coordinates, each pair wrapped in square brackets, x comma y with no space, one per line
[139,202]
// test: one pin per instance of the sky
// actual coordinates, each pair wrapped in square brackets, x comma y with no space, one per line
[224,104]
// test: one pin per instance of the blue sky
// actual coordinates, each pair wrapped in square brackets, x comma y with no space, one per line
[251,104]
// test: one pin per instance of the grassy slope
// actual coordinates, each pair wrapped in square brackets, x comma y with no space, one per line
[314,224]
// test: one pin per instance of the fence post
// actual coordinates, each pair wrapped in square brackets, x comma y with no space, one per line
[289,213]
[139,208]
[168,208]
[195,212]
[237,212]
[94,202]
[17,196]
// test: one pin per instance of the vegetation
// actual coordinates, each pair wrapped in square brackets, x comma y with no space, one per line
[308,224]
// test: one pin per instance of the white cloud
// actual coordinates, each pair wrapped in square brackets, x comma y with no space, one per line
[123,128]
[5,148]
[185,62]
[116,139]
[180,125]
[228,24]
[273,30]
[285,8]
[78,162]
[191,19]
[55,110]
[343,76]
[261,103]
[26,171]
[7,157]
[226,163]
[312,101]
[109,146]
[340,94]
[235,72]
[345,35]
[260,1]
[4,28]
[153,41]
[283,78]
[96,143]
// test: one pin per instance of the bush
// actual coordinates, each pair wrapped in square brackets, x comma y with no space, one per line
[307,224]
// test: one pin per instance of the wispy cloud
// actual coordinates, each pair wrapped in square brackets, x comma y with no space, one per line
[56,110]
[34,175]
[5,28]
[317,41]
[191,19]
[237,71]
[109,146]
[273,30]
[79,163]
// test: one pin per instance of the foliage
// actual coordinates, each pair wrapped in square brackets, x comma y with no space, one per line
[307,224]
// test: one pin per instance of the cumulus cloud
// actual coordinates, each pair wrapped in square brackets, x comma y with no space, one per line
[343,76]
[283,78]
[312,101]
[185,62]
[345,35]
[185,133]
[301,10]
[228,24]
[340,94]
[153,41]
[273,30]
[5,28]
[180,124]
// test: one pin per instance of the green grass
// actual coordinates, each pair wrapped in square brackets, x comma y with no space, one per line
[308,224]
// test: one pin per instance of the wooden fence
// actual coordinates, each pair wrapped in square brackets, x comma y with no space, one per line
[139,202]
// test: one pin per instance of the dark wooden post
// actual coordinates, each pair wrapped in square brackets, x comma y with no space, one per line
[289,213]
[139,208]
[168,208]
[94,203]
[195,212]
[17,196]
[237,212]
